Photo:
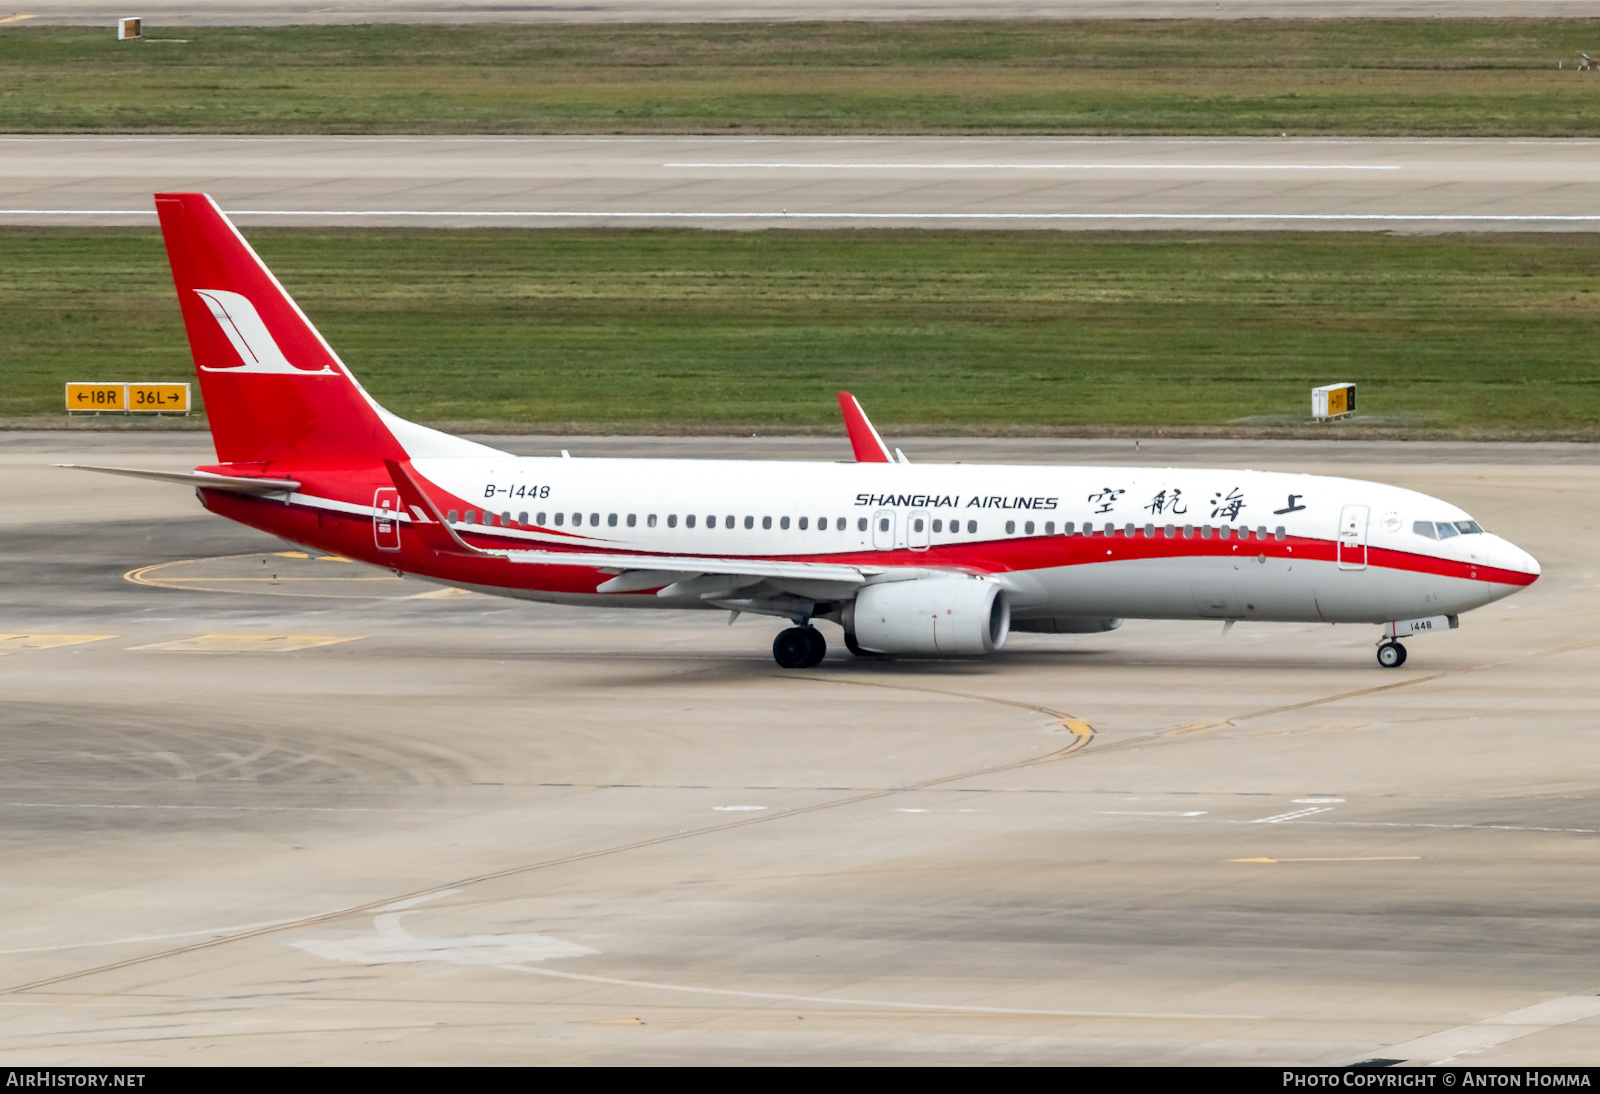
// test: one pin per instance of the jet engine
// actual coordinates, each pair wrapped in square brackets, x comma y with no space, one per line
[931,615]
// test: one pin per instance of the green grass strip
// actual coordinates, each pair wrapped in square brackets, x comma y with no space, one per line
[1443,77]
[1488,335]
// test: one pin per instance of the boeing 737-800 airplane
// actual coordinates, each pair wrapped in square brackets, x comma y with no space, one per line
[910,559]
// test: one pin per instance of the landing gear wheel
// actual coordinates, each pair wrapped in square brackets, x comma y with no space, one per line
[1391,655]
[855,647]
[799,648]
[819,647]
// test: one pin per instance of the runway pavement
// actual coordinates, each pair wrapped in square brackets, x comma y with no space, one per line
[251,814]
[282,12]
[817,182]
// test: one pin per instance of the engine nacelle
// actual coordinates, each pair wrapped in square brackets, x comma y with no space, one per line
[931,615]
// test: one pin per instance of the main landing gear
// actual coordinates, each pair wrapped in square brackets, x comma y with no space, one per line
[799,648]
[1391,655]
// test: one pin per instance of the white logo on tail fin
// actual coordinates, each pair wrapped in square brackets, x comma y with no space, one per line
[251,340]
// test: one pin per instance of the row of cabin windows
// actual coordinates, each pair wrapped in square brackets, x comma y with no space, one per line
[1149,531]
[472,516]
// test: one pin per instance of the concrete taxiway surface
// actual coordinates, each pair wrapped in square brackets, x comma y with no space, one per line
[264,808]
[287,12]
[816,182]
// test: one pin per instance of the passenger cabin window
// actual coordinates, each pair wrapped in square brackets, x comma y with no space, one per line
[672,520]
[633,519]
[688,521]
[766,522]
[539,519]
[783,522]
[561,518]
[594,520]
[883,524]
[805,522]
[750,522]
[728,522]
[451,516]
[972,527]
[611,521]
[522,518]
[1011,527]
[650,521]
[1049,527]
[1279,532]
[1027,529]
[938,526]
[861,525]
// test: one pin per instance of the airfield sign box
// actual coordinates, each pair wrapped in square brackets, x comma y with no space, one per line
[128,399]
[130,29]
[1333,401]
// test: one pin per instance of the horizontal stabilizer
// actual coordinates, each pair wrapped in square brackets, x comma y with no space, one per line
[233,484]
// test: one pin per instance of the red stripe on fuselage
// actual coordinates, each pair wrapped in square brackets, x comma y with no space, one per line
[351,535]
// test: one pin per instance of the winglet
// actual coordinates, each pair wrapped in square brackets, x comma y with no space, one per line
[429,524]
[864,440]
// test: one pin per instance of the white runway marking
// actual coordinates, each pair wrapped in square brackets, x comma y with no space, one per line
[1446,1045]
[1296,815]
[1059,166]
[603,214]
[785,997]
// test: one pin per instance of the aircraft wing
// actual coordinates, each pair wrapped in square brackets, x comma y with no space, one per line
[635,572]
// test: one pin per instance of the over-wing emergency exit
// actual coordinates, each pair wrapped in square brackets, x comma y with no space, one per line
[908,558]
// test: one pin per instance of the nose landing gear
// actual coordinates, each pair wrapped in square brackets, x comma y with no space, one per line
[1391,655]
[799,648]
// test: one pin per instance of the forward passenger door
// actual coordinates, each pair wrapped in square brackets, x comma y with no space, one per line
[1353,537]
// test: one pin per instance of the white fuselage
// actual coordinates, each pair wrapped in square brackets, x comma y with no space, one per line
[1064,541]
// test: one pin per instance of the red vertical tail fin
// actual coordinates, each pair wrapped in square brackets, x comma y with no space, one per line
[273,389]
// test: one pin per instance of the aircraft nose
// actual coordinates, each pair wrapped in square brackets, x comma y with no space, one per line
[1505,555]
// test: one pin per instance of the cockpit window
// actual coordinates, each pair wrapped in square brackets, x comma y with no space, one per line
[1424,528]
[1446,529]
[1468,527]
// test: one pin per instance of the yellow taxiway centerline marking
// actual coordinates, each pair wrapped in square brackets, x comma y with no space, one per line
[17,18]
[1351,858]
[9,642]
[249,643]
